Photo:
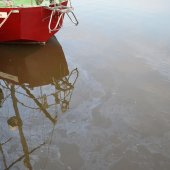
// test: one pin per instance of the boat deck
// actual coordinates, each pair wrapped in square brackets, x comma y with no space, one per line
[14,3]
[26,3]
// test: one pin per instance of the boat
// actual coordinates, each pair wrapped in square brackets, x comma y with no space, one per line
[33,21]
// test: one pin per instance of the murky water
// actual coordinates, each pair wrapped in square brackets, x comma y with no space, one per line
[98,98]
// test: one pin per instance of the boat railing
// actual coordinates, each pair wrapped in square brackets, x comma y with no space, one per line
[61,10]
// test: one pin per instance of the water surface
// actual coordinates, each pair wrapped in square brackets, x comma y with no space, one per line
[111,113]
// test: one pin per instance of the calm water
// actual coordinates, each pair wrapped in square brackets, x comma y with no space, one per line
[95,98]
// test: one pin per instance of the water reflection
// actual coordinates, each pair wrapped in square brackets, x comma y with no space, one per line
[35,84]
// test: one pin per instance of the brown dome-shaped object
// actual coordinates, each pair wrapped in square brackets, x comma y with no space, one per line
[14,123]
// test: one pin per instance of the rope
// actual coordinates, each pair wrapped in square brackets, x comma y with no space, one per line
[2,23]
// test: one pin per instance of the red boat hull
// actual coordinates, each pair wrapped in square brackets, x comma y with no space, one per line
[28,24]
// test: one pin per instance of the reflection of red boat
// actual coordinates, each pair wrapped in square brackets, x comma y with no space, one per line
[34,65]
[32,23]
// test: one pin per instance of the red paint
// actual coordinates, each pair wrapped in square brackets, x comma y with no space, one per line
[30,24]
